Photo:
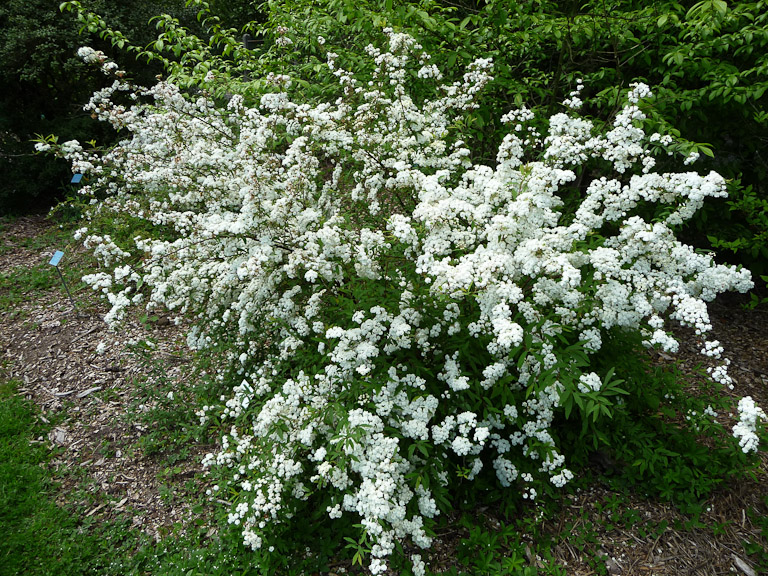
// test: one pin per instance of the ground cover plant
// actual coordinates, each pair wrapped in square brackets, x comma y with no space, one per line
[403,324]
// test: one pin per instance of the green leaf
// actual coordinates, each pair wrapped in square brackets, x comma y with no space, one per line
[721,6]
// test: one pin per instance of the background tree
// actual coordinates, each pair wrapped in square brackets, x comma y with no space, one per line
[44,86]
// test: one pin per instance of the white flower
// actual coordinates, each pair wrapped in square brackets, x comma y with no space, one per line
[750,414]
[589,383]
[691,158]
[371,279]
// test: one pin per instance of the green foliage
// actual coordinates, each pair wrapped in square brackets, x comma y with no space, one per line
[488,551]
[185,51]
[659,439]
[37,58]
[740,229]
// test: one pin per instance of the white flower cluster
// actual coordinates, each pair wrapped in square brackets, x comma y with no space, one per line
[359,235]
[750,414]
[91,56]
[97,57]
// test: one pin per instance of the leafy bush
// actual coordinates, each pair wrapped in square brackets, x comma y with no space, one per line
[398,319]
[707,62]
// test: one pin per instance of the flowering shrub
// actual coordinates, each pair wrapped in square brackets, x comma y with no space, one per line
[397,316]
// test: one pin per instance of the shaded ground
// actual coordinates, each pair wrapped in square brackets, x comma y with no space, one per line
[92,398]
[54,351]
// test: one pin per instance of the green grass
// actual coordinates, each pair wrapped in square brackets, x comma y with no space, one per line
[40,537]
[17,285]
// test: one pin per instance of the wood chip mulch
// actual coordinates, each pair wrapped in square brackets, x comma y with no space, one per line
[51,349]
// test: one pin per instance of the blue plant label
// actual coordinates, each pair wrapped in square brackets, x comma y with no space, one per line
[56,258]
[76,178]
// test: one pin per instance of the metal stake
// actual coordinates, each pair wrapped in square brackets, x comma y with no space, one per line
[55,263]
